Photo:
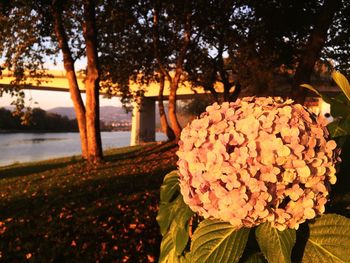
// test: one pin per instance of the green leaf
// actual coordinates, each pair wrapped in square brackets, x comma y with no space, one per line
[170,187]
[341,98]
[165,216]
[169,248]
[174,215]
[309,87]
[181,226]
[276,245]
[167,251]
[218,241]
[169,203]
[339,128]
[340,109]
[257,257]
[176,211]
[342,82]
[328,240]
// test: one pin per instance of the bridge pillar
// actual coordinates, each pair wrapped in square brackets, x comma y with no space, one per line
[143,122]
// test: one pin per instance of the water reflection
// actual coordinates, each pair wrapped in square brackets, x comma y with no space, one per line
[40,140]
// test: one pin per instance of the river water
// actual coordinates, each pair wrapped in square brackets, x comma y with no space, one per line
[27,147]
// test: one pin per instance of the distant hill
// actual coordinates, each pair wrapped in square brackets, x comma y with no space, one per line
[107,113]
[64,111]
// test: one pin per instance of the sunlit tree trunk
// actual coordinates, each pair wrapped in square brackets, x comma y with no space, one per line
[173,80]
[72,79]
[314,45]
[174,122]
[88,118]
[163,119]
[92,84]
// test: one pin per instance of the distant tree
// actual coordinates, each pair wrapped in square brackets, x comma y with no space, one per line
[147,41]
[313,47]
[172,25]
[127,54]
[34,30]
[258,45]
[338,41]
[40,121]
[207,62]
[9,121]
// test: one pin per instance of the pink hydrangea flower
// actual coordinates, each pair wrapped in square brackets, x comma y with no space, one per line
[257,160]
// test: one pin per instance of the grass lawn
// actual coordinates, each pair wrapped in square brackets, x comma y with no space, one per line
[63,210]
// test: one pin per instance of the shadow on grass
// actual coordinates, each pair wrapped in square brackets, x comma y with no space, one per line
[136,151]
[28,169]
[114,155]
[80,213]
[107,218]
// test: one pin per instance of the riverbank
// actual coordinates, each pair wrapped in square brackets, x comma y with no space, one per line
[64,210]
[32,147]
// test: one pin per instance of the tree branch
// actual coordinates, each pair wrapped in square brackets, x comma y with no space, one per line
[313,48]
[155,35]
[186,41]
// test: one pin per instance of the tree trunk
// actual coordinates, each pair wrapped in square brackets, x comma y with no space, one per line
[163,119]
[175,125]
[174,81]
[236,92]
[92,84]
[174,122]
[72,79]
[315,43]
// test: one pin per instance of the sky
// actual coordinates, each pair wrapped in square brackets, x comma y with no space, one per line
[53,99]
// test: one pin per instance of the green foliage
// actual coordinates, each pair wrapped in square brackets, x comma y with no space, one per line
[196,106]
[173,218]
[340,106]
[167,249]
[323,239]
[40,120]
[170,187]
[218,241]
[328,240]
[342,82]
[276,245]
[255,258]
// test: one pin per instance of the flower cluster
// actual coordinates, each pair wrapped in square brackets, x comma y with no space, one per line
[257,160]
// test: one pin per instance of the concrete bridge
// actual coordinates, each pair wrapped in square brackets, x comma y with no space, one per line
[143,117]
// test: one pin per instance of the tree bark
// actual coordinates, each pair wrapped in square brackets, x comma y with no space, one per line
[175,80]
[163,119]
[236,92]
[314,45]
[174,122]
[92,84]
[175,125]
[72,79]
